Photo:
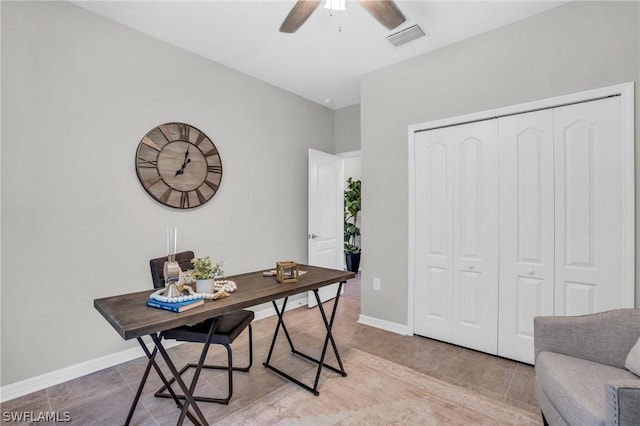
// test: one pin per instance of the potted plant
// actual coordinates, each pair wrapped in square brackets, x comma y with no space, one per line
[205,271]
[351,230]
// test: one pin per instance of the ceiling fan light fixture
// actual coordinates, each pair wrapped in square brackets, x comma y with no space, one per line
[335,4]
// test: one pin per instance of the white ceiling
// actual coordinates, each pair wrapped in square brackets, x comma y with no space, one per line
[318,62]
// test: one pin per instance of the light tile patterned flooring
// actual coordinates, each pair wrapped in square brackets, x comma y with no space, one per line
[103,398]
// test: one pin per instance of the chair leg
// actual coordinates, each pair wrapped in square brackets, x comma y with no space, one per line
[229,367]
[248,367]
[544,419]
[243,369]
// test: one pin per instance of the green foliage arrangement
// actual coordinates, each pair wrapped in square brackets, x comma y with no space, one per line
[352,203]
[205,268]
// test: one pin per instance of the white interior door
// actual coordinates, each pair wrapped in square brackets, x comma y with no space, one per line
[475,235]
[526,229]
[456,235]
[326,212]
[589,210]
[433,270]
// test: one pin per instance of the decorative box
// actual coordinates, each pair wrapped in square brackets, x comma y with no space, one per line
[287,272]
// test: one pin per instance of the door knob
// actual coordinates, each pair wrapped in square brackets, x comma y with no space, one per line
[470,266]
[530,271]
[313,236]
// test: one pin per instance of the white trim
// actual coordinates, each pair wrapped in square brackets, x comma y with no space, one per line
[270,311]
[412,206]
[620,89]
[628,192]
[383,325]
[43,381]
[350,154]
[626,92]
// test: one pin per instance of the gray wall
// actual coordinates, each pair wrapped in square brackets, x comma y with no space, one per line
[346,129]
[78,94]
[578,46]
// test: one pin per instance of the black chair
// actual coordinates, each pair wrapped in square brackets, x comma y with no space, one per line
[228,327]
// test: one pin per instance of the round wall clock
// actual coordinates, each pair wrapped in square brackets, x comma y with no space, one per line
[178,165]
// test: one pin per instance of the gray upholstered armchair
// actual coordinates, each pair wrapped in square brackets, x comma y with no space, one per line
[581,377]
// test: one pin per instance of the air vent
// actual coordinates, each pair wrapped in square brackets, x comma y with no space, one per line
[406,35]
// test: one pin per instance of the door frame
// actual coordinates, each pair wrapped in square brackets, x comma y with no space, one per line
[625,91]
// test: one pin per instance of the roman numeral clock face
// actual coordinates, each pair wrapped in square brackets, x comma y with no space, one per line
[178,165]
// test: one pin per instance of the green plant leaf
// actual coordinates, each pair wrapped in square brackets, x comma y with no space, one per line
[352,206]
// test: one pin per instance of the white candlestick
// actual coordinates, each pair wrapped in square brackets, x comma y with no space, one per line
[172,242]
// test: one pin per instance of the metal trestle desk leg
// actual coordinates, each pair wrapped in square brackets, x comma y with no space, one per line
[152,363]
[328,338]
[187,392]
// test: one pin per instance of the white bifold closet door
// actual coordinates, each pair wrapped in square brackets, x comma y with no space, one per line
[520,216]
[526,229]
[588,204]
[456,225]
[561,217]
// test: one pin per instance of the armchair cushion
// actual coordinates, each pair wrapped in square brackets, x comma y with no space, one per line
[633,359]
[579,396]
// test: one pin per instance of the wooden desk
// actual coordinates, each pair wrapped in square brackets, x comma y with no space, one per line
[131,318]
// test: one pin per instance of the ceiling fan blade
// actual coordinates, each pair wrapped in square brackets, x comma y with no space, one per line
[385,11]
[298,15]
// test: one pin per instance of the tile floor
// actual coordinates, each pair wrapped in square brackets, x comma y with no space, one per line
[103,397]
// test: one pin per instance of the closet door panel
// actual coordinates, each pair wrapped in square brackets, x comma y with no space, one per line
[475,235]
[588,192]
[433,235]
[456,226]
[526,229]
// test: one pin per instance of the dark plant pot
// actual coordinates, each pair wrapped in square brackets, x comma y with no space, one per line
[353,262]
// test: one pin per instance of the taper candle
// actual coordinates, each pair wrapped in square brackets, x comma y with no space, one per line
[172,242]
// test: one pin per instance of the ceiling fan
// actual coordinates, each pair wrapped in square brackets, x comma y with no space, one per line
[385,11]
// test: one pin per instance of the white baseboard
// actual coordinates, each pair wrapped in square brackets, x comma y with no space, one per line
[291,304]
[25,387]
[34,384]
[384,325]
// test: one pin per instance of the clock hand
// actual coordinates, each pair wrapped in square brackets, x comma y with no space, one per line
[181,169]
[187,160]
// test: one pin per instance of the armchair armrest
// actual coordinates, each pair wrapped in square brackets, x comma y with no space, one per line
[605,337]
[623,403]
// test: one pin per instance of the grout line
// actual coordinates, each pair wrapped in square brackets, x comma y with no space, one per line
[46,393]
[140,402]
[513,374]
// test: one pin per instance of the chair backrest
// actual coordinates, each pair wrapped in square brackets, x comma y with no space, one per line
[604,337]
[157,266]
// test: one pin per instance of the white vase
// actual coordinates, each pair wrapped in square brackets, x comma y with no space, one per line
[204,286]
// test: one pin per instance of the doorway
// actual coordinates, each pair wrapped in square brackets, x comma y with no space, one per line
[353,170]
